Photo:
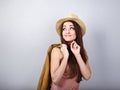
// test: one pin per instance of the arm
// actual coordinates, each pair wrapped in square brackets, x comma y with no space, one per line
[84,67]
[58,63]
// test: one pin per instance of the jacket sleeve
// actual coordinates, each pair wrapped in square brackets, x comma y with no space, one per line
[44,80]
[45,77]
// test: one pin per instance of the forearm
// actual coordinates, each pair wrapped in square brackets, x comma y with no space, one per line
[84,68]
[60,71]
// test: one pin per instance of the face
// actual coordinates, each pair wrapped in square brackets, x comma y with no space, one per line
[68,32]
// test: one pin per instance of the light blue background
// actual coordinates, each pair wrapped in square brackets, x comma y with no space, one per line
[27,28]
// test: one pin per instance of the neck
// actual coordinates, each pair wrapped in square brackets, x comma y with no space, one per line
[69,42]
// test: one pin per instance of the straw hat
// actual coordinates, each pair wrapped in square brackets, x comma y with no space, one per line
[72,17]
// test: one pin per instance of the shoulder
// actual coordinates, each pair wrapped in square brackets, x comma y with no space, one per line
[52,46]
[56,52]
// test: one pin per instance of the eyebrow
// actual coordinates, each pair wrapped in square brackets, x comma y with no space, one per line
[70,25]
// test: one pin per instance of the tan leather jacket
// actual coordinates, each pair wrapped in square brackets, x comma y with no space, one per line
[45,77]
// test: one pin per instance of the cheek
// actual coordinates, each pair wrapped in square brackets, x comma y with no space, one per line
[63,37]
[74,35]
[63,33]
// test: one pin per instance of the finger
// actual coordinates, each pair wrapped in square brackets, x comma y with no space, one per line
[76,45]
[64,45]
[72,44]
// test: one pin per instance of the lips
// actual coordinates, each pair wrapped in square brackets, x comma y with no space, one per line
[67,35]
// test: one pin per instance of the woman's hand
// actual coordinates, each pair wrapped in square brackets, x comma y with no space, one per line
[75,48]
[64,51]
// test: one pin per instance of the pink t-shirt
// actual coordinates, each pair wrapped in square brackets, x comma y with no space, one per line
[66,83]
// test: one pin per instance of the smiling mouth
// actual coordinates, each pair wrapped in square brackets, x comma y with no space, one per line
[67,35]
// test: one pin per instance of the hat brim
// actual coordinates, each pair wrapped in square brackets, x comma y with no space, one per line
[77,20]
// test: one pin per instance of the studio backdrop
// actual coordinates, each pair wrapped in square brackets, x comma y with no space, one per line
[27,28]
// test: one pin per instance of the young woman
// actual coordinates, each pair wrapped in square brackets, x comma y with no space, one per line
[69,61]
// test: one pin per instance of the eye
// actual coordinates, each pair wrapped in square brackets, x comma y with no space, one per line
[72,28]
[63,29]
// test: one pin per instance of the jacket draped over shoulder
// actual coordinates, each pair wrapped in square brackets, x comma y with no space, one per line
[45,77]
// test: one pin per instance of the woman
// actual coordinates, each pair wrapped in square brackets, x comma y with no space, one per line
[69,61]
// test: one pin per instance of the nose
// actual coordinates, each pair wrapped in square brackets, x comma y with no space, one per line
[68,31]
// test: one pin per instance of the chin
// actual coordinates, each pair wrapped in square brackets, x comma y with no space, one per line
[69,41]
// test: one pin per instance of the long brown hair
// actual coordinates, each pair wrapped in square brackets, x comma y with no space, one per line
[72,62]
